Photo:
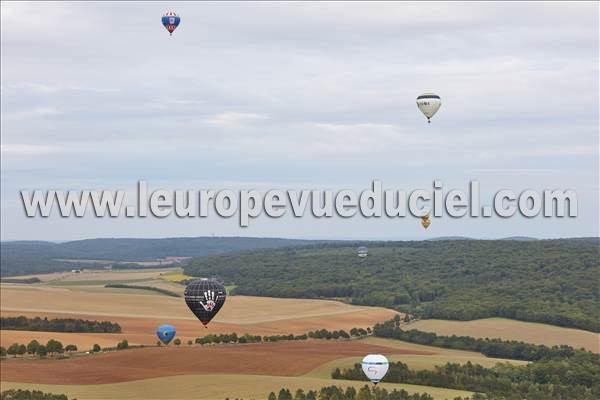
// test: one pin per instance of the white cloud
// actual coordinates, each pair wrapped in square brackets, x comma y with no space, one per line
[29,149]
[39,112]
[234,118]
[295,92]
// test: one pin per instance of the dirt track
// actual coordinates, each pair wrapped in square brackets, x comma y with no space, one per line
[279,359]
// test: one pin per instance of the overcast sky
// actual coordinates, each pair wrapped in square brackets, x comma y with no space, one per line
[299,95]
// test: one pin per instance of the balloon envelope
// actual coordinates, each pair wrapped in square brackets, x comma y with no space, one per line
[362,251]
[205,298]
[425,221]
[375,366]
[165,333]
[171,21]
[429,104]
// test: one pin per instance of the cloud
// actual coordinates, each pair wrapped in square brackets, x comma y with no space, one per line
[39,112]
[296,92]
[234,118]
[29,149]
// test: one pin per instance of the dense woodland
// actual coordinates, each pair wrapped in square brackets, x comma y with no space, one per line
[33,257]
[58,325]
[549,281]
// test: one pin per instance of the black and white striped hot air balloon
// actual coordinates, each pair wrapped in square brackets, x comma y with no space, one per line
[429,104]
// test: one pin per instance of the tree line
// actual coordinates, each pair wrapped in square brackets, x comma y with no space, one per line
[571,378]
[58,325]
[53,347]
[226,338]
[497,348]
[548,281]
[140,287]
[20,394]
[21,280]
[35,348]
[350,393]
[559,372]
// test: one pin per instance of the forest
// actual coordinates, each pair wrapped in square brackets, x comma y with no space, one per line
[548,281]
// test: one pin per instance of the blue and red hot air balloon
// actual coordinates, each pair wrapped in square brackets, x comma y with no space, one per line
[171,21]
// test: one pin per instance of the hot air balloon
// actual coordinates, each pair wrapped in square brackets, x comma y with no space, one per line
[425,222]
[375,366]
[205,298]
[165,333]
[171,21]
[429,104]
[362,251]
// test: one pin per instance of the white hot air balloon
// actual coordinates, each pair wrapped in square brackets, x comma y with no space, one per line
[375,366]
[362,251]
[429,104]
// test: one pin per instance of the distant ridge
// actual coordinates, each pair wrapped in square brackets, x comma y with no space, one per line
[31,257]
[450,238]
[521,238]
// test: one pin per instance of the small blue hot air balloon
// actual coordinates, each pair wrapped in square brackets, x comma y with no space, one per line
[165,333]
[171,21]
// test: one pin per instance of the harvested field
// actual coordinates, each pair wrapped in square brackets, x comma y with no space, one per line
[508,329]
[106,275]
[241,310]
[411,355]
[215,386]
[277,359]
[140,312]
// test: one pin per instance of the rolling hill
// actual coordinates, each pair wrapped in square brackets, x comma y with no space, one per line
[30,257]
[549,281]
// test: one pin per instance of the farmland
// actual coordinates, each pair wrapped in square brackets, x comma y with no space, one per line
[140,312]
[513,330]
[210,387]
[256,369]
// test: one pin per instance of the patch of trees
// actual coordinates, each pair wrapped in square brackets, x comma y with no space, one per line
[247,338]
[548,281]
[152,288]
[569,378]
[54,347]
[350,393]
[20,394]
[21,280]
[497,348]
[35,348]
[58,325]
